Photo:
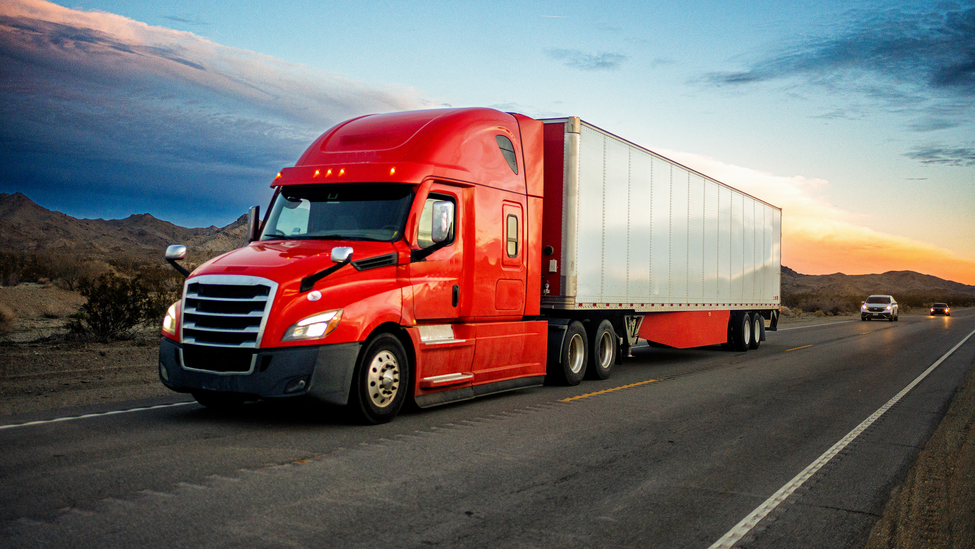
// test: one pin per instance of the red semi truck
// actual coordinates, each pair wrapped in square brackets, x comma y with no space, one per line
[441,255]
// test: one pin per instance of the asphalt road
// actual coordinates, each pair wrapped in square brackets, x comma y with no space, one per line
[688,445]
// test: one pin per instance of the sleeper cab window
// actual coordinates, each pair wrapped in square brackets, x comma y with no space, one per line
[508,151]
[512,235]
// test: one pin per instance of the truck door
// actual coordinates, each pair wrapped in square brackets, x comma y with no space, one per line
[437,279]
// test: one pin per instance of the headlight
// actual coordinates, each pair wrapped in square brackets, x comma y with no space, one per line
[889,306]
[314,327]
[863,307]
[169,321]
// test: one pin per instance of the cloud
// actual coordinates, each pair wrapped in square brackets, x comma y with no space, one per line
[95,105]
[945,156]
[580,60]
[187,19]
[933,50]
[917,62]
[819,238]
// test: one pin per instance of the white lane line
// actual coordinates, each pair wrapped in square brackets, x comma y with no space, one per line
[100,414]
[815,325]
[742,528]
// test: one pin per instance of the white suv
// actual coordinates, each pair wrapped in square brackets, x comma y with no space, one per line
[879,306]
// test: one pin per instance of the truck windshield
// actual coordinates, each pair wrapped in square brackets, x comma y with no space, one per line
[339,212]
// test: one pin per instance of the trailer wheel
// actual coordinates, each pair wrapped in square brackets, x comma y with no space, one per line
[741,333]
[602,351]
[218,401]
[571,365]
[757,325]
[381,380]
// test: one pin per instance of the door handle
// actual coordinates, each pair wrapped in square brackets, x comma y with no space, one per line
[456,295]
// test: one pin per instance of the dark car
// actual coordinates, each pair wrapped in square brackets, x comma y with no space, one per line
[879,306]
[940,309]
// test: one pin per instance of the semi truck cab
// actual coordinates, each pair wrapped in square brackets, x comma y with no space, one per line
[395,261]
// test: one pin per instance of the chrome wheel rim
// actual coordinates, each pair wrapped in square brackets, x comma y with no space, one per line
[383,379]
[576,353]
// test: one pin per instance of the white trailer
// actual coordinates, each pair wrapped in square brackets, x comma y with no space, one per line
[635,237]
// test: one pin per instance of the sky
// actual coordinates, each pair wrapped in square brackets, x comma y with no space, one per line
[856,118]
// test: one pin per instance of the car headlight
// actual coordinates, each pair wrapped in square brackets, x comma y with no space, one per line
[863,307]
[169,321]
[889,306]
[314,327]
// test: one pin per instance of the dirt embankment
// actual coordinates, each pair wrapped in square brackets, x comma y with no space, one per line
[933,507]
[40,370]
[935,504]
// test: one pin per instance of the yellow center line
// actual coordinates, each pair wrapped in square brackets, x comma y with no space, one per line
[610,390]
[797,348]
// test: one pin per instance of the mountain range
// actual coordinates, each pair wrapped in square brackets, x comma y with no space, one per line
[28,228]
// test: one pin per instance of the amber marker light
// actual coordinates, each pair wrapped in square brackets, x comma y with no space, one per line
[341,172]
[392,171]
[329,172]
[278,176]
[317,173]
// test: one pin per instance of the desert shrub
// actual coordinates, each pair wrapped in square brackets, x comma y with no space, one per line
[115,306]
[69,272]
[827,304]
[126,264]
[64,270]
[7,319]
[164,285]
[11,267]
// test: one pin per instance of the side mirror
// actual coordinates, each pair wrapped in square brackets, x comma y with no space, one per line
[254,223]
[443,220]
[174,253]
[340,254]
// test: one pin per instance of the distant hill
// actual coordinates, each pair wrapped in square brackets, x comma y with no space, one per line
[32,229]
[891,282]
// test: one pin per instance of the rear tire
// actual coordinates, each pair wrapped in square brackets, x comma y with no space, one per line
[741,332]
[603,347]
[381,380]
[570,366]
[758,325]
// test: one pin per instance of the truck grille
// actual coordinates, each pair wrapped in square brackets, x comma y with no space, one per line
[226,311]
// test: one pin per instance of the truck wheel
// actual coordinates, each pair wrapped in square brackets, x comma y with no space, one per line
[218,401]
[381,380]
[741,333]
[571,365]
[757,325]
[602,351]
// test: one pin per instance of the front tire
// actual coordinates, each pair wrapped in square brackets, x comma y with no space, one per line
[602,351]
[570,366]
[381,380]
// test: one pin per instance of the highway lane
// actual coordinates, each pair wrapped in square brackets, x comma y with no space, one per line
[676,462]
